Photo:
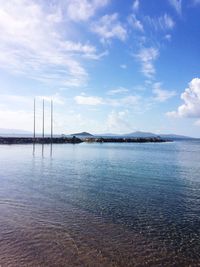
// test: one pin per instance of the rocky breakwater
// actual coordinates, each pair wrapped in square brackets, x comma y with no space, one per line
[39,140]
[125,140]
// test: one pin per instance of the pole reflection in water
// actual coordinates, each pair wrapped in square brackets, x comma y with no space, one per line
[33,149]
[43,150]
[51,150]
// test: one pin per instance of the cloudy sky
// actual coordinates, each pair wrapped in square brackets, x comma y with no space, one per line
[109,65]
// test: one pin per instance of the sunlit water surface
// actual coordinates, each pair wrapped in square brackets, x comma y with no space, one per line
[100,205]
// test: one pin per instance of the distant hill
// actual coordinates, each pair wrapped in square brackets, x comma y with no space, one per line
[175,136]
[107,135]
[14,132]
[164,136]
[134,134]
[141,134]
[138,134]
[82,134]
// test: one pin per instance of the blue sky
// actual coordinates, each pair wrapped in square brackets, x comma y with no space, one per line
[109,65]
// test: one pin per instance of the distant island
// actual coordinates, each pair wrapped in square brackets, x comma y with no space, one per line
[137,134]
[82,134]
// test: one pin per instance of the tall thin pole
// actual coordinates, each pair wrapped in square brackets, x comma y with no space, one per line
[34,122]
[43,120]
[51,119]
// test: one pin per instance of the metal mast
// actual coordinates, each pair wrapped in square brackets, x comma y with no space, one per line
[34,121]
[43,120]
[51,119]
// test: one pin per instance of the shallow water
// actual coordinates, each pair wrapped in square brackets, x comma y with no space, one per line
[100,205]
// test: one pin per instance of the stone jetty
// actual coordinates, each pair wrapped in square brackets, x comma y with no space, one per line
[75,140]
[40,140]
[125,140]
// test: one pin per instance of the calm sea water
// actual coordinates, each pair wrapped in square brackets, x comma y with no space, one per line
[100,205]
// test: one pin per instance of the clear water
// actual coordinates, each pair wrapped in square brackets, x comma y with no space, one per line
[100,205]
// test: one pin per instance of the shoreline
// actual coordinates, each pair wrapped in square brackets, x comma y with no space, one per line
[75,140]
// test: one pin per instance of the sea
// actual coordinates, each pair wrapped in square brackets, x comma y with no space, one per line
[113,204]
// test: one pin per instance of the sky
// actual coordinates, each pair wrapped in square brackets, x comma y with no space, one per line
[110,66]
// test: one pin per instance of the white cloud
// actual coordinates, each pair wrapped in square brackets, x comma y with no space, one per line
[135,23]
[147,56]
[109,27]
[177,5]
[197,123]
[34,43]
[127,101]
[78,47]
[123,66]
[120,90]
[56,98]
[136,5]
[18,101]
[118,122]
[163,23]
[130,101]
[191,98]
[168,37]
[11,99]
[83,10]
[196,2]
[15,119]
[88,100]
[95,56]
[161,95]
[172,114]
